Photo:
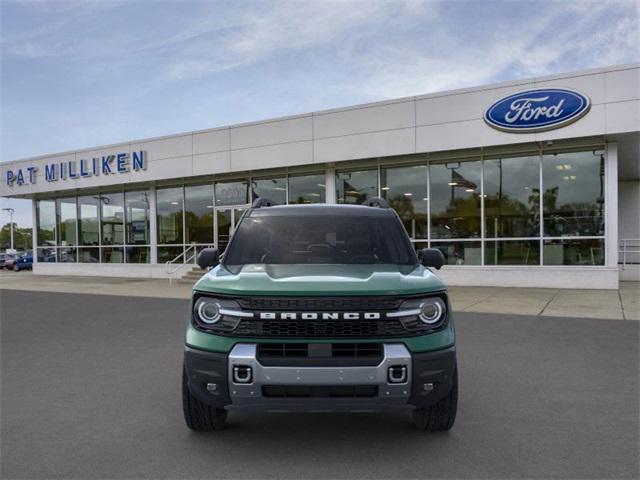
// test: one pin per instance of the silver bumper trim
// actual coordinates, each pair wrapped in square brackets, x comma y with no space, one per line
[249,395]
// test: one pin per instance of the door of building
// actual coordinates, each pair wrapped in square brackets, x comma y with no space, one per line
[227,219]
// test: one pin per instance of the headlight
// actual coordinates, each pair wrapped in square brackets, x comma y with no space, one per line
[422,314]
[207,310]
[218,315]
[432,311]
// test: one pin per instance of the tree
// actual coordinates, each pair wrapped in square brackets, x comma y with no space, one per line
[21,237]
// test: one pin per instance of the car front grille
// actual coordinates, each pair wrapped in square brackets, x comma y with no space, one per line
[321,328]
[319,304]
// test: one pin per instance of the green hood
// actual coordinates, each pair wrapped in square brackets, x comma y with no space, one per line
[260,279]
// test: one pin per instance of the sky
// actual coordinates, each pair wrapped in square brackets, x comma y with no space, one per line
[87,73]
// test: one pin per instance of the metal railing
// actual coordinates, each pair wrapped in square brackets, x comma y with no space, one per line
[188,257]
[628,248]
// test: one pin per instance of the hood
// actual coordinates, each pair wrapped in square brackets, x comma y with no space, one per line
[311,280]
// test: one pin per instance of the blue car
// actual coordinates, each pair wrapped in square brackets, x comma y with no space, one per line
[23,262]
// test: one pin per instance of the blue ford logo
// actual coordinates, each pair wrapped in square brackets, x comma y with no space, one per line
[537,110]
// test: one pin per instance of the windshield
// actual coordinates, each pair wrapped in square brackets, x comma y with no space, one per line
[320,239]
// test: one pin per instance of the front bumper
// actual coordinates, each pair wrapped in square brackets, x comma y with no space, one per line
[428,379]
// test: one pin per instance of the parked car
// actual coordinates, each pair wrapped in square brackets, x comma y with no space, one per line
[8,260]
[23,262]
[320,308]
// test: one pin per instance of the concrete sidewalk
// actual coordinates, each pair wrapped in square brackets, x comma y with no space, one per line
[623,304]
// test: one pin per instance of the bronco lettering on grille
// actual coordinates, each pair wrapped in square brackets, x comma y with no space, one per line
[319,316]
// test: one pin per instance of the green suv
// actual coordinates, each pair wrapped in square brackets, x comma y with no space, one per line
[320,308]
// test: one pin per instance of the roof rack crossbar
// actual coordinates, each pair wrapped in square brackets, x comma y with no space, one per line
[376,202]
[263,202]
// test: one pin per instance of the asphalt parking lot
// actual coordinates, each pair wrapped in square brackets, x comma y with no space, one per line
[91,389]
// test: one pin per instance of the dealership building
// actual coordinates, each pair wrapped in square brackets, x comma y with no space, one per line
[529,183]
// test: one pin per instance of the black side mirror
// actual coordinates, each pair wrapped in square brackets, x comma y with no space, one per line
[432,257]
[208,258]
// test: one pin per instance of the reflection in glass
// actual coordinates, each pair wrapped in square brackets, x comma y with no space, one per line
[169,207]
[512,197]
[512,252]
[573,198]
[137,218]
[307,188]
[232,193]
[112,218]
[272,188]
[356,187]
[460,253]
[67,213]
[198,213]
[405,188]
[89,255]
[455,200]
[137,254]
[46,218]
[47,254]
[67,254]
[112,255]
[166,254]
[88,221]
[573,252]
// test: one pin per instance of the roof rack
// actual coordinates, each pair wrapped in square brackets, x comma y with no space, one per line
[263,202]
[376,202]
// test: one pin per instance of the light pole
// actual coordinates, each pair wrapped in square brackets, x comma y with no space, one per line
[11,212]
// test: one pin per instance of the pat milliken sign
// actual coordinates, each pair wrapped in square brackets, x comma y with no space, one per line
[537,110]
[105,165]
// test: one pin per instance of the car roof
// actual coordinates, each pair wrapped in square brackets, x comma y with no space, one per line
[320,209]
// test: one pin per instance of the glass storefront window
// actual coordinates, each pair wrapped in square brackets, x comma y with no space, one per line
[512,197]
[232,193]
[112,255]
[166,254]
[573,252]
[112,218]
[307,188]
[137,254]
[512,252]
[455,200]
[405,188]
[356,187]
[88,227]
[67,220]
[46,218]
[67,254]
[275,189]
[89,255]
[198,213]
[460,253]
[137,218]
[47,254]
[169,208]
[573,198]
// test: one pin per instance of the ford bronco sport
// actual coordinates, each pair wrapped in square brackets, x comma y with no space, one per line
[320,308]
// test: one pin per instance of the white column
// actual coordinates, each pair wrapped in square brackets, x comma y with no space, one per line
[153,233]
[34,231]
[611,205]
[330,183]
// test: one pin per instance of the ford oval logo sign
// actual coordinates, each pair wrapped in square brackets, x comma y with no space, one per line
[537,110]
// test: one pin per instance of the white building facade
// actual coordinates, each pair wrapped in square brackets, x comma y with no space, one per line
[531,183]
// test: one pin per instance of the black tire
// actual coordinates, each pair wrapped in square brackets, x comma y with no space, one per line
[440,416]
[199,416]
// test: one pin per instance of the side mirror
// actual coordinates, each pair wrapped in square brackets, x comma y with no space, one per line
[431,257]
[208,258]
